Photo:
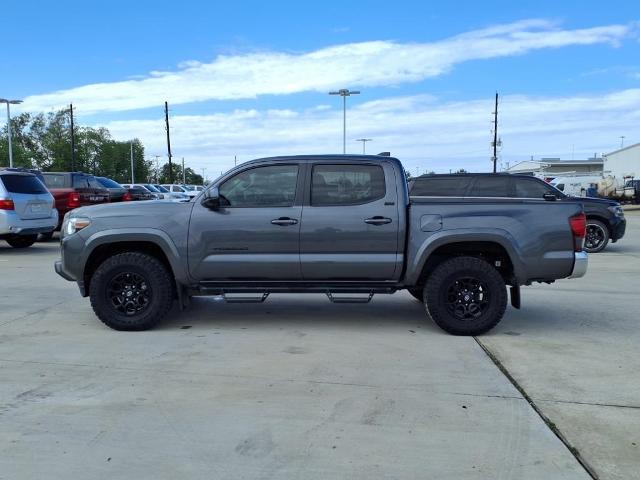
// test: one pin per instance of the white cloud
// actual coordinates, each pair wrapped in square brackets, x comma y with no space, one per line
[421,130]
[372,63]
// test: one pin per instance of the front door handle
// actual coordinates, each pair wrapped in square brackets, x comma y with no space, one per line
[377,220]
[284,221]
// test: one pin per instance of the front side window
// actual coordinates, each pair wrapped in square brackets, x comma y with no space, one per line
[272,186]
[530,188]
[490,186]
[346,184]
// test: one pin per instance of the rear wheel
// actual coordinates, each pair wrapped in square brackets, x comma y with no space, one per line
[466,296]
[22,241]
[131,291]
[597,236]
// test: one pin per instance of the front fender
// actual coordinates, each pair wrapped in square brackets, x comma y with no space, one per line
[152,235]
[423,249]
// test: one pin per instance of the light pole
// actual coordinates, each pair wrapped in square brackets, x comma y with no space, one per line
[622,137]
[364,142]
[344,93]
[10,102]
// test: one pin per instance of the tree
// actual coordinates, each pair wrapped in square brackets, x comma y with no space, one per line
[191,177]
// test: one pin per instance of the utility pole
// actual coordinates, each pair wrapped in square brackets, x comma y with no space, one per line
[204,180]
[495,135]
[157,169]
[184,181]
[73,140]
[166,121]
[132,175]
[364,142]
[344,93]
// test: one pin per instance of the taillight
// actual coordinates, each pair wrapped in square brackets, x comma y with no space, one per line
[579,229]
[127,197]
[74,200]
[7,204]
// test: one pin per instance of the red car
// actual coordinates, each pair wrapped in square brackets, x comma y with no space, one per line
[72,190]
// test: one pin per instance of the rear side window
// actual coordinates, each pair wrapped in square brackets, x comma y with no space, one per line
[23,184]
[54,180]
[107,182]
[440,186]
[85,181]
[530,188]
[346,184]
[489,186]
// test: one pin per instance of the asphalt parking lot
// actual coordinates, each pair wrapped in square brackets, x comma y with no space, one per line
[298,387]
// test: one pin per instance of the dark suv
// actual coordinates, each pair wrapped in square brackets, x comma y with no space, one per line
[605,218]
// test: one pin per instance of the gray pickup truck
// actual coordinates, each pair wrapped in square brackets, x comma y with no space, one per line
[342,225]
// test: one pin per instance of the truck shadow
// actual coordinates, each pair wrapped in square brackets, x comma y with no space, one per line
[299,311]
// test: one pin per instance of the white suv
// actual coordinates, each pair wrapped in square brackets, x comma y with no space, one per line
[26,208]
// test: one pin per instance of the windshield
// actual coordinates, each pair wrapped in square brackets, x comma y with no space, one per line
[161,189]
[188,187]
[107,182]
[151,188]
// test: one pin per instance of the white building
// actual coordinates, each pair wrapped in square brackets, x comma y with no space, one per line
[623,163]
[555,166]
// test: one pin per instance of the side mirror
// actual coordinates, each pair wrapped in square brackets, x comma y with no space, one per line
[211,199]
[549,197]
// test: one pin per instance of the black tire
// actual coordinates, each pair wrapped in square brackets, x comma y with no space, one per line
[146,295]
[465,296]
[597,236]
[22,241]
[417,293]
[46,237]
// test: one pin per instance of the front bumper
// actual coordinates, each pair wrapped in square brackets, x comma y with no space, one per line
[61,272]
[580,263]
[618,229]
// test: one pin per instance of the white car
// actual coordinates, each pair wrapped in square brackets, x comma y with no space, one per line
[26,208]
[175,188]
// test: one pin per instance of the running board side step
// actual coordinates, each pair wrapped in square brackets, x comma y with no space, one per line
[333,299]
[244,299]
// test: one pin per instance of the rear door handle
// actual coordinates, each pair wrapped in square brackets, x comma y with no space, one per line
[284,221]
[377,220]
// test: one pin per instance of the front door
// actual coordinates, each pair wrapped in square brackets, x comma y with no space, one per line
[255,234]
[350,225]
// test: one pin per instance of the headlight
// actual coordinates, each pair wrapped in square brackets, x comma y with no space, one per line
[74,224]
[617,210]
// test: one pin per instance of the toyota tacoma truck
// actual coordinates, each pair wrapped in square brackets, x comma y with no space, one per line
[341,225]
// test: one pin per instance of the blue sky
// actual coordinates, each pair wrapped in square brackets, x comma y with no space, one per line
[569,73]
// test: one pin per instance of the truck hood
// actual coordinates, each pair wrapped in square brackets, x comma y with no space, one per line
[595,201]
[122,212]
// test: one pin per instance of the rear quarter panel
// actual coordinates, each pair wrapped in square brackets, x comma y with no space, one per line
[535,233]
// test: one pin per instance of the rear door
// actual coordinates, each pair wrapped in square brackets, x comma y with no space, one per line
[350,223]
[89,189]
[255,235]
[30,197]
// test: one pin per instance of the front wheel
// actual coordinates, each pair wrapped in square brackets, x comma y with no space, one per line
[597,236]
[466,296]
[131,291]
[22,241]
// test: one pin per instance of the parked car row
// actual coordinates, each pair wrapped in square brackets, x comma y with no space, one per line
[605,218]
[34,203]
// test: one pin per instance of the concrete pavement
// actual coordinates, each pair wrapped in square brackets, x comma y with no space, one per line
[301,388]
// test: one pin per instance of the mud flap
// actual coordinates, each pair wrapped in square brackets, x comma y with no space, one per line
[515,296]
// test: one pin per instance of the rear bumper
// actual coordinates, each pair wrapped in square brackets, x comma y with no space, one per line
[10,224]
[580,263]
